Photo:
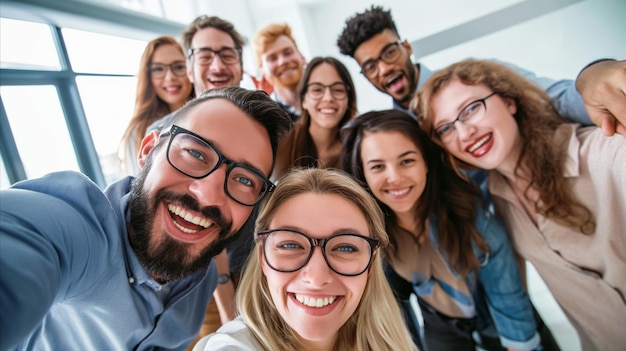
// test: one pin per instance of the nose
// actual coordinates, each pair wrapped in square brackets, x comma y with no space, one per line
[327,94]
[217,64]
[316,272]
[209,191]
[383,68]
[280,60]
[464,131]
[393,174]
[169,73]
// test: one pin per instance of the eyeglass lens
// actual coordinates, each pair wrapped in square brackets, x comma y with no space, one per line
[337,90]
[195,158]
[390,53]
[204,56]
[178,68]
[288,251]
[472,112]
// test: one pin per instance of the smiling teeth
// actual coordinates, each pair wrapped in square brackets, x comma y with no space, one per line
[189,218]
[398,192]
[315,302]
[479,143]
[328,110]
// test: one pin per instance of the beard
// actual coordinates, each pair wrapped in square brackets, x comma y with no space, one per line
[290,81]
[167,259]
[412,76]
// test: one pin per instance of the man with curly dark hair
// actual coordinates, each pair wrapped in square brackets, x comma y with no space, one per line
[372,39]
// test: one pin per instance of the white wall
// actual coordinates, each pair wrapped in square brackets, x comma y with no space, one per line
[557,44]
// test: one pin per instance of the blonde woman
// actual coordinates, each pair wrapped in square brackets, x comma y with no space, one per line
[294,296]
[560,188]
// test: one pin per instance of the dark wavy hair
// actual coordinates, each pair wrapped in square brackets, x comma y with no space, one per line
[300,148]
[537,120]
[362,27]
[255,103]
[448,196]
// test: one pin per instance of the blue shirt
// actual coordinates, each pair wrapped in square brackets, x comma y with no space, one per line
[71,281]
[498,298]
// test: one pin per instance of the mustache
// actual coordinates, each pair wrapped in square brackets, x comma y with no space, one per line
[285,67]
[212,213]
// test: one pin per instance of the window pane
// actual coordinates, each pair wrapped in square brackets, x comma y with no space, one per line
[108,104]
[106,53]
[39,129]
[4,177]
[27,45]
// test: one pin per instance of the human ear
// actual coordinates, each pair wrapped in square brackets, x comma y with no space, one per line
[146,146]
[407,46]
[511,106]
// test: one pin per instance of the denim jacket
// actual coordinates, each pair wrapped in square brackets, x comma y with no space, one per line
[497,294]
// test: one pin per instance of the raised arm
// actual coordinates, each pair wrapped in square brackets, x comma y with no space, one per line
[602,85]
[30,268]
[563,93]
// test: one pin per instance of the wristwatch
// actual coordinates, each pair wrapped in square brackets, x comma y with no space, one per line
[223,278]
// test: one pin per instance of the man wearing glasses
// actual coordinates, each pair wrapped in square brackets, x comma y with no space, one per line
[129,268]
[214,48]
[372,39]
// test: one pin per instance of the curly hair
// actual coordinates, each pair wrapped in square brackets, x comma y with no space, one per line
[362,27]
[537,120]
[448,196]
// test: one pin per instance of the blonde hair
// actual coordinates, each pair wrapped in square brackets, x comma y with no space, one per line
[269,34]
[537,120]
[376,324]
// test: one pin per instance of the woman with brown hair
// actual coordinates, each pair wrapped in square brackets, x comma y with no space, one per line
[162,87]
[328,102]
[560,188]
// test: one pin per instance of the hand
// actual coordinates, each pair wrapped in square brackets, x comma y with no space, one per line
[603,89]
[262,84]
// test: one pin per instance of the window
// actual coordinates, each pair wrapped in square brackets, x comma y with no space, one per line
[62,118]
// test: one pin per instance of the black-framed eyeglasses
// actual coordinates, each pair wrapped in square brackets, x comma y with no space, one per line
[288,250]
[158,70]
[471,113]
[316,91]
[204,56]
[389,54]
[196,157]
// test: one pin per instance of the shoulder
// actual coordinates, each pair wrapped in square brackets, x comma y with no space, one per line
[233,336]
[66,203]
[588,146]
[70,187]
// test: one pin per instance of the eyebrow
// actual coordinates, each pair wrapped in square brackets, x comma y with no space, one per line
[460,108]
[240,161]
[343,230]
[404,154]
[379,53]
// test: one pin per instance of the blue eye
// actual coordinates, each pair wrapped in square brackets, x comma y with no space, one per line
[196,154]
[444,129]
[244,181]
[346,248]
[289,246]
